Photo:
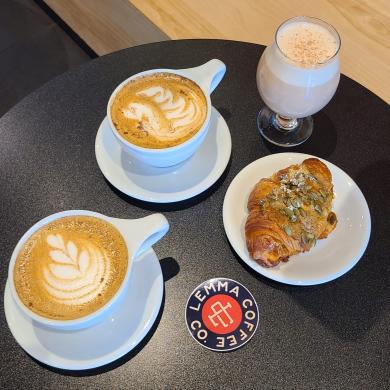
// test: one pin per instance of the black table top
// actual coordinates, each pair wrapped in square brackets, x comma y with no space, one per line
[328,336]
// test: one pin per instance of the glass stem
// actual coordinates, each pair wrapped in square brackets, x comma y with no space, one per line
[284,123]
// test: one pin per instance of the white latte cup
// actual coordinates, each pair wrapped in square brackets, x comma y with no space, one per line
[207,77]
[138,234]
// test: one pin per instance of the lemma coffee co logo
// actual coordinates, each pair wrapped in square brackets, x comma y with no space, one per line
[222,314]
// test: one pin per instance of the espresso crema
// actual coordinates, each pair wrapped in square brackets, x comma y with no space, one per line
[70,267]
[159,111]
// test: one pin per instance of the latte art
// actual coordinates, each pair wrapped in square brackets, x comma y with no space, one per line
[176,109]
[74,275]
[158,111]
[71,267]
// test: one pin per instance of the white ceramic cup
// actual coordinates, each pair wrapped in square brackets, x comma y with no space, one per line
[139,235]
[207,77]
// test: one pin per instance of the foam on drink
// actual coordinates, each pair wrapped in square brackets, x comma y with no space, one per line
[307,43]
[299,73]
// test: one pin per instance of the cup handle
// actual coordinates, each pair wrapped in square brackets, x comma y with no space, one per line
[145,232]
[209,75]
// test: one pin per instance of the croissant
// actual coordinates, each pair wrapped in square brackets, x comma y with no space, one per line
[289,211]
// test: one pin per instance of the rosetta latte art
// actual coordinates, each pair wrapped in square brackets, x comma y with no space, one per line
[75,274]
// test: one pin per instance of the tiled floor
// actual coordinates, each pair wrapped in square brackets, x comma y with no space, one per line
[34,48]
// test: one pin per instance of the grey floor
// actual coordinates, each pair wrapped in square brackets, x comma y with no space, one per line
[35,46]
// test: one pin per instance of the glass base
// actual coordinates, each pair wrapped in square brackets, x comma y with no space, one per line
[282,131]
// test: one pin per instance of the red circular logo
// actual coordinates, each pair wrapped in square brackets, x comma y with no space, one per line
[221,314]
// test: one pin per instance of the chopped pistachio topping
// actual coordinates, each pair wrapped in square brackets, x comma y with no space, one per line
[318,209]
[288,230]
[298,190]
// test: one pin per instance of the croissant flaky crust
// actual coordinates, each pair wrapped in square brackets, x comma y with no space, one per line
[289,211]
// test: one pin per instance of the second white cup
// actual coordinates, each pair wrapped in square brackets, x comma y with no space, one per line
[138,234]
[207,77]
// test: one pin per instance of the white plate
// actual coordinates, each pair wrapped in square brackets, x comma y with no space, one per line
[103,343]
[165,185]
[331,257]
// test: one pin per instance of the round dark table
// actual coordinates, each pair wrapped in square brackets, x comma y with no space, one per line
[332,336]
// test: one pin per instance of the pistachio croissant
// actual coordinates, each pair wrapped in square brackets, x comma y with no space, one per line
[289,211]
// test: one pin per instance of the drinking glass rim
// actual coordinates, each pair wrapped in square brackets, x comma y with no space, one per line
[316,20]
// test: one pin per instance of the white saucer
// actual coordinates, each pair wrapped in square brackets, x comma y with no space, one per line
[331,257]
[103,343]
[165,185]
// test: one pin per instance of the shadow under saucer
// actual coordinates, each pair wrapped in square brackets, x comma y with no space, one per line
[120,332]
[171,184]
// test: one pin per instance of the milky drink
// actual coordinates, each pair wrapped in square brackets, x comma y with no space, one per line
[299,73]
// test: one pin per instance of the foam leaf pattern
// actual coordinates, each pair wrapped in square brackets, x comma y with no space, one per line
[83,261]
[56,241]
[72,250]
[60,257]
[76,271]
[66,271]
